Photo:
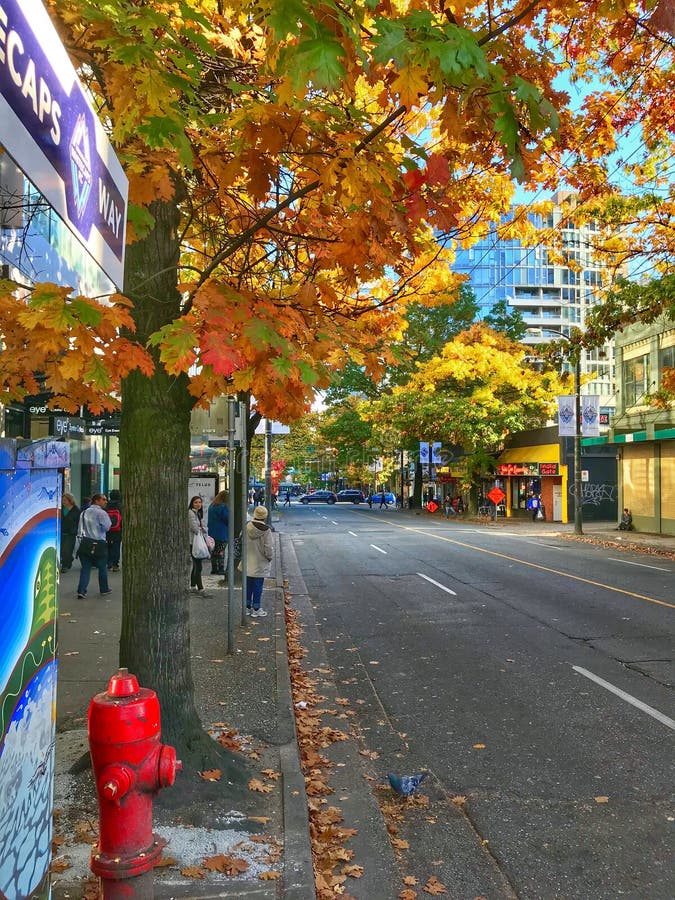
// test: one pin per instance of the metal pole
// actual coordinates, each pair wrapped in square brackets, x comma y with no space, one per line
[231,455]
[268,469]
[243,412]
[578,512]
[402,479]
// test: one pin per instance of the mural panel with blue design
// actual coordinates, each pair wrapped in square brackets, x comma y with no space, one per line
[30,500]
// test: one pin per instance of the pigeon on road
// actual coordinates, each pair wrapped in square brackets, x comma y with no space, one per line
[405,785]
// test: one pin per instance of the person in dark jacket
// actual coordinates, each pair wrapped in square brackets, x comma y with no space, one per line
[218,528]
[114,537]
[70,516]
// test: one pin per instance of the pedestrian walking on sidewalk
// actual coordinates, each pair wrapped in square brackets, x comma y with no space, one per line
[534,505]
[218,527]
[259,551]
[197,527]
[93,529]
[70,517]
[114,510]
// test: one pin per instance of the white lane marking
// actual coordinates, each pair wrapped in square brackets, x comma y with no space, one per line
[642,565]
[665,720]
[379,549]
[353,533]
[333,522]
[543,544]
[438,584]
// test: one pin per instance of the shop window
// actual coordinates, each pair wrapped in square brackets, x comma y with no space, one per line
[635,380]
[666,360]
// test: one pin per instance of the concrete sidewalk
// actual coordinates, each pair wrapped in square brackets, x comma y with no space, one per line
[248,692]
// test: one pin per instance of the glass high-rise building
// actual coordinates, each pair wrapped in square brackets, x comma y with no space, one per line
[552,298]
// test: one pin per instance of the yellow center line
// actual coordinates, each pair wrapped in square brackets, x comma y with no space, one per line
[532,565]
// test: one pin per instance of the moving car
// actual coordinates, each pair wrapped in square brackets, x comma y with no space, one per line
[350,496]
[389,498]
[319,497]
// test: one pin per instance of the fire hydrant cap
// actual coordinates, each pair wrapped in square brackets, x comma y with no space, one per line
[123,684]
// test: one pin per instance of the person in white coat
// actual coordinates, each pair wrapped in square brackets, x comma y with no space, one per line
[259,552]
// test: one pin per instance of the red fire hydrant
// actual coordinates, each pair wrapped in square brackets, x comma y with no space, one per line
[130,766]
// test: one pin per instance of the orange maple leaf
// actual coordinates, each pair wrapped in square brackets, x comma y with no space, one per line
[228,865]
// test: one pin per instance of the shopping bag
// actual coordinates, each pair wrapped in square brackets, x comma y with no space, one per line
[200,548]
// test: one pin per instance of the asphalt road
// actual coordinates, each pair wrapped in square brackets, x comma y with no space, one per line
[530,675]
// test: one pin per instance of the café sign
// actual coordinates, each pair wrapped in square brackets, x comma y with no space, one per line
[529,470]
[49,127]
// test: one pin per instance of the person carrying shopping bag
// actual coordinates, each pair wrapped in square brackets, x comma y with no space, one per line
[199,550]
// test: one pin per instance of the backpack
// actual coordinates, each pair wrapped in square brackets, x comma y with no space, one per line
[116,519]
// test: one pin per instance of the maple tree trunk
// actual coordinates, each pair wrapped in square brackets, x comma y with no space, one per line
[155,466]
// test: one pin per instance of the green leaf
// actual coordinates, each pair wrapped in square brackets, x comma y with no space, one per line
[164,131]
[392,42]
[285,16]
[282,365]
[96,373]
[85,312]
[140,218]
[307,373]
[321,60]
[260,332]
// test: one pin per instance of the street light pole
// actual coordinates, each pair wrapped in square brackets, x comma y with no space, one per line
[578,512]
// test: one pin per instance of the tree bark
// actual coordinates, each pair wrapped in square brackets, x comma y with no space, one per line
[155,465]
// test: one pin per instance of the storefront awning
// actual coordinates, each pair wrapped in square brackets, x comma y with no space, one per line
[536,454]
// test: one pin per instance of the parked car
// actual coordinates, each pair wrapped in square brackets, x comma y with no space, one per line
[389,498]
[319,497]
[350,496]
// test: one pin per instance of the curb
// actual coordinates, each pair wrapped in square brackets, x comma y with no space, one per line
[298,875]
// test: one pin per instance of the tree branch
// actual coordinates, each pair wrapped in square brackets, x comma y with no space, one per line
[508,24]
[238,242]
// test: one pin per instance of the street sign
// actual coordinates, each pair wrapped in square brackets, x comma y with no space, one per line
[496,495]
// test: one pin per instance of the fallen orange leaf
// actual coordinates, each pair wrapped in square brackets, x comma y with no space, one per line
[211,775]
[434,886]
[228,865]
[192,872]
[256,785]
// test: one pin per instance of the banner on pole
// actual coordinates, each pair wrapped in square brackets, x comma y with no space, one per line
[590,416]
[436,453]
[424,452]
[566,412]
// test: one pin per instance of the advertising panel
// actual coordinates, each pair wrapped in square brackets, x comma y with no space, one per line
[50,129]
[29,538]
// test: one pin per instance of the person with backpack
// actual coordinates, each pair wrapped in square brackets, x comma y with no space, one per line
[114,537]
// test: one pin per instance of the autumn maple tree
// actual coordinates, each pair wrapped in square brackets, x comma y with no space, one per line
[477,391]
[299,171]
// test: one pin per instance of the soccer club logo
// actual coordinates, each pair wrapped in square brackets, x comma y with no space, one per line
[590,413]
[566,413]
[80,164]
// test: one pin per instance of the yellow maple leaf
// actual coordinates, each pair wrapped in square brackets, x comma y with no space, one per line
[410,85]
